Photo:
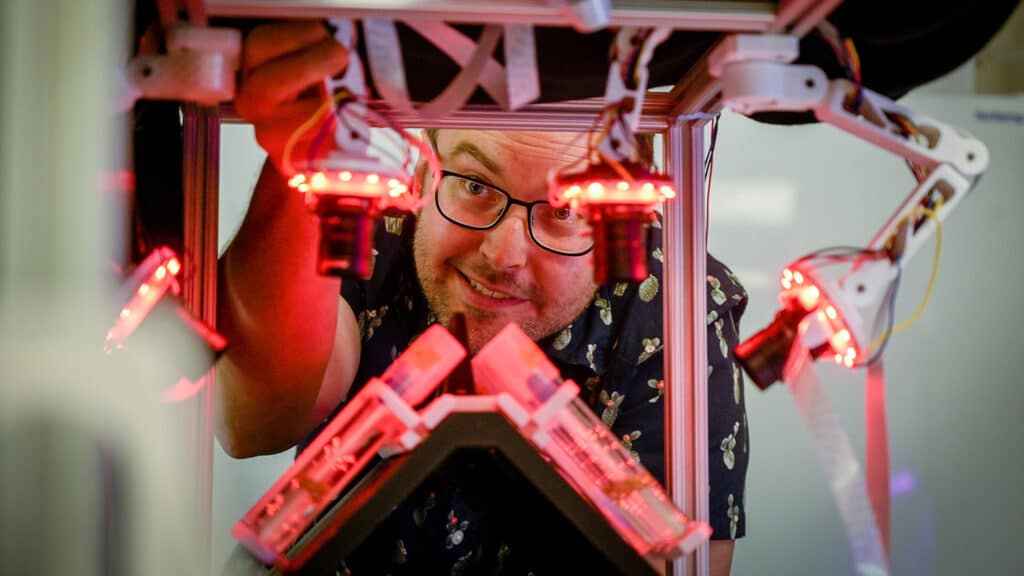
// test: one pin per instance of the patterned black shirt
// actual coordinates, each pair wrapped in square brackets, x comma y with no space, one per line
[614,351]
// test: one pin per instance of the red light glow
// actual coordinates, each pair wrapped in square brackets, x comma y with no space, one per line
[319,181]
[600,183]
[809,297]
[803,287]
[152,281]
[392,189]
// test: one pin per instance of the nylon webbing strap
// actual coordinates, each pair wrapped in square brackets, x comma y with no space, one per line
[510,86]
[462,87]
[521,66]
[385,60]
[877,442]
[460,48]
[841,468]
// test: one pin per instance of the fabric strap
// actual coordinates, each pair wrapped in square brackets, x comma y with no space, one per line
[510,86]
[877,449]
[841,467]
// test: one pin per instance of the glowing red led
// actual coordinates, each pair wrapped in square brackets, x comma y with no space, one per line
[319,181]
[802,287]
[153,278]
[809,297]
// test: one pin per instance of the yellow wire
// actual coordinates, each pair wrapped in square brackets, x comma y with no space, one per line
[931,281]
[619,168]
[309,123]
[854,57]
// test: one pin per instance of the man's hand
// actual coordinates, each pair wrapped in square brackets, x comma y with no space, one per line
[282,64]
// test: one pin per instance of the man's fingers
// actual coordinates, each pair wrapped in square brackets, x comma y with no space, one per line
[270,41]
[285,78]
[273,134]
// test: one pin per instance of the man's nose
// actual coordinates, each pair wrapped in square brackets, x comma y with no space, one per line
[508,243]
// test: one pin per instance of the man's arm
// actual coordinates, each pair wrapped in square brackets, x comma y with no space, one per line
[288,329]
[721,557]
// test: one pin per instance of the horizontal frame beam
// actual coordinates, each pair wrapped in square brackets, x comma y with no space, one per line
[724,16]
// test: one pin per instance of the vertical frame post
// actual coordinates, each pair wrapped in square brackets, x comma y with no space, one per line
[685,333]
[201,173]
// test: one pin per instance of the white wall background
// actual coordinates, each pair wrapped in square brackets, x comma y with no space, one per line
[953,387]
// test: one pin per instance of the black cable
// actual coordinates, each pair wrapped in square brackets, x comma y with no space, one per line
[709,164]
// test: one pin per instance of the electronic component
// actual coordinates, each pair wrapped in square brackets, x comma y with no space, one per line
[757,76]
[582,448]
[614,192]
[379,416]
[350,186]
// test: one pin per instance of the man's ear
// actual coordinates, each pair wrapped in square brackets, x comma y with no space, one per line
[421,178]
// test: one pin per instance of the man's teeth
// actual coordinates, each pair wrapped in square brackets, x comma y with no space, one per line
[486,292]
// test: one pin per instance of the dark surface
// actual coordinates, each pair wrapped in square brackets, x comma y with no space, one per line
[559,525]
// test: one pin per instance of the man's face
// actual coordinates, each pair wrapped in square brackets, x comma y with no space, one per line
[500,275]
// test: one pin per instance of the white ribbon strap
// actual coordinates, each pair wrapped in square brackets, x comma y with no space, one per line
[386,65]
[462,87]
[840,465]
[521,66]
[461,49]
[511,87]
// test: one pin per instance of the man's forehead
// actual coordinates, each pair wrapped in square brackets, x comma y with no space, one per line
[501,148]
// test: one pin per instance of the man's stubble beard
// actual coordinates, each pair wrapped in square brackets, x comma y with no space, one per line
[482,325]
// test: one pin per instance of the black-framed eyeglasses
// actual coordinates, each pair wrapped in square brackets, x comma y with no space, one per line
[474,204]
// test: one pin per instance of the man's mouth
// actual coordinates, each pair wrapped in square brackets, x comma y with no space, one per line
[487,291]
[491,294]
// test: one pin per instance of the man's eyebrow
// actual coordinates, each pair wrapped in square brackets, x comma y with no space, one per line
[464,147]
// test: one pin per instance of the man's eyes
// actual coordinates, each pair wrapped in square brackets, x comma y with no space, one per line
[563,213]
[475,188]
[557,216]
